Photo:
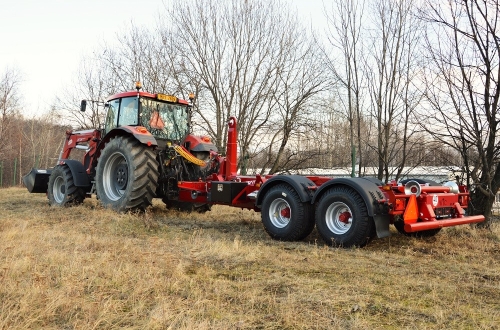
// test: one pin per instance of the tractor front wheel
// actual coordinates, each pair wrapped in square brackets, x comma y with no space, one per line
[61,188]
[126,175]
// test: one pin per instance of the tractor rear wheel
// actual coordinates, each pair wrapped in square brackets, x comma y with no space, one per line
[61,188]
[126,175]
[342,218]
[284,216]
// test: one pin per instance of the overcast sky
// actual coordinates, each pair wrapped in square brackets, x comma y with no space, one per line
[45,39]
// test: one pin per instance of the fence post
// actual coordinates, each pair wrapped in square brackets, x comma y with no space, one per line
[15,170]
[1,174]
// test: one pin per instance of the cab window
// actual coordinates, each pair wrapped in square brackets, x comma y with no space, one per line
[112,115]
[128,114]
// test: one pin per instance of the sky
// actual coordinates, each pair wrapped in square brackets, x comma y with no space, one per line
[46,39]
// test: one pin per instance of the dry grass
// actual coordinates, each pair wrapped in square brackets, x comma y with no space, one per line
[90,268]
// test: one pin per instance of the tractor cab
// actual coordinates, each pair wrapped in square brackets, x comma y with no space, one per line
[165,116]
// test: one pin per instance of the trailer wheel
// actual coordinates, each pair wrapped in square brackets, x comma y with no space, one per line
[284,216]
[61,188]
[400,226]
[342,218]
[126,175]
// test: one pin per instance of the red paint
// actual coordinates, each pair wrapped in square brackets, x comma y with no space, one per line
[426,225]
[231,163]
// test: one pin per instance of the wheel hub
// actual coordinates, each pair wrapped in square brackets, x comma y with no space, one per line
[285,212]
[279,213]
[115,176]
[121,176]
[338,218]
[59,189]
[344,217]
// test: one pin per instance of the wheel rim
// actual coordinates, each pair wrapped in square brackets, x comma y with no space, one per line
[338,218]
[280,213]
[59,190]
[115,176]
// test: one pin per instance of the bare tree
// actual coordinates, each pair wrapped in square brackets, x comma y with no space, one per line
[464,94]
[94,82]
[43,139]
[394,97]
[137,54]
[345,28]
[9,102]
[249,59]
[300,85]
[141,54]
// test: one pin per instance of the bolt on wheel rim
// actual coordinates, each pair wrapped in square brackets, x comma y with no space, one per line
[338,218]
[115,176]
[59,189]
[279,213]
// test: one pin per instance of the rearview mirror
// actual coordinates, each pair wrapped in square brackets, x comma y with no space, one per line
[83,105]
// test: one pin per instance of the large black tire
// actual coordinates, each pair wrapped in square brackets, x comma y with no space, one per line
[284,216]
[61,189]
[399,224]
[126,175]
[342,218]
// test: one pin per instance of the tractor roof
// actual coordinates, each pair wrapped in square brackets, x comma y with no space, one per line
[144,94]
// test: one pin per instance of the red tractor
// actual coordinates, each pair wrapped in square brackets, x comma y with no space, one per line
[146,151]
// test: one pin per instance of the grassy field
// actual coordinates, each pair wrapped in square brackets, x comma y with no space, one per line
[90,268]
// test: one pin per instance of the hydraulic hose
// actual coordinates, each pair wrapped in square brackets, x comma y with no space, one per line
[189,156]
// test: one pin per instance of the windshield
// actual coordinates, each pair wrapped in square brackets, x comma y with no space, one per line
[165,120]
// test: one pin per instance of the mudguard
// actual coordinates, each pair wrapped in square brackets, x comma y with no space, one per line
[198,144]
[140,133]
[298,182]
[371,194]
[80,176]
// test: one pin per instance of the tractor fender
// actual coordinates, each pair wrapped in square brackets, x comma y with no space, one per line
[78,172]
[297,182]
[369,190]
[143,137]
[139,132]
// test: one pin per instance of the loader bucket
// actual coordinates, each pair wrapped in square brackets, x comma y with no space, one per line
[37,181]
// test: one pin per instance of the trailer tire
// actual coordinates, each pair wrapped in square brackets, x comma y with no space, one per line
[61,189]
[284,216]
[400,226]
[126,175]
[342,218]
